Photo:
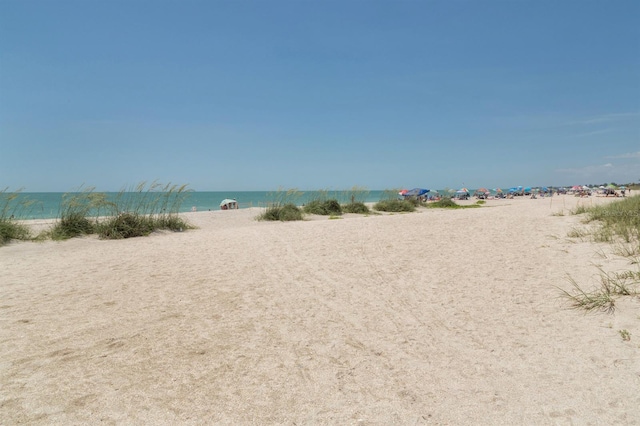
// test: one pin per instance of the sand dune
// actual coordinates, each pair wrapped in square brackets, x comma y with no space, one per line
[433,317]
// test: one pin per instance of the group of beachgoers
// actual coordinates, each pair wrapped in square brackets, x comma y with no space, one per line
[483,194]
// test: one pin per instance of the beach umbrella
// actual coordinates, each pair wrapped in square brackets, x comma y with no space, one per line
[227,201]
[415,192]
[403,191]
[611,186]
[462,191]
[483,190]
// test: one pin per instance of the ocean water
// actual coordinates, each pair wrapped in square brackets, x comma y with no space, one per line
[47,205]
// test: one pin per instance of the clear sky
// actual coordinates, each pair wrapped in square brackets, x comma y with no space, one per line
[318,94]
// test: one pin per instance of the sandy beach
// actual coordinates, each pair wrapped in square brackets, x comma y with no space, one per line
[443,317]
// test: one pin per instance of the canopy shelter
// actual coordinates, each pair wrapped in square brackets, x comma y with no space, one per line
[228,204]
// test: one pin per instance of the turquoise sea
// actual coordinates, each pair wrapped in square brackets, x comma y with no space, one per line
[47,205]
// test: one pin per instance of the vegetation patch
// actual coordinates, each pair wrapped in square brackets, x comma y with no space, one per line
[394,206]
[323,207]
[603,297]
[12,210]
[124,215]
[618,223]
[356,207]
[448,203]
[284,213]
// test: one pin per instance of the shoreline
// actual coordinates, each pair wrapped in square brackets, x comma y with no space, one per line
[41,224]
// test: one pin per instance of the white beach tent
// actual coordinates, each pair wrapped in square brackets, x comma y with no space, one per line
[228,204]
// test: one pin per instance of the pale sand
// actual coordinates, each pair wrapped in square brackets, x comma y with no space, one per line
[433,317]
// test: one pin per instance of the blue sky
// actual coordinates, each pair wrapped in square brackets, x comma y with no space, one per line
[309,94]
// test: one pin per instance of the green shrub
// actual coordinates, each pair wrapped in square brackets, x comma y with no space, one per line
[171,222]
[284,213]
[72,225]
[314,207]
[11,230]
[448,203]
[11,209]
[394,206]
[356,207]
[325,208]
[618,220]
[444,203]
[125,225]
[74,212]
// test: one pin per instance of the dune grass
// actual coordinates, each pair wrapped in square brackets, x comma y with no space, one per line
[603,297]
[12,210]
[448,203]
[145,209]
[618,223]
[75,214]
[323,207]
[130,213]
[356,207]
[283,213]
[395,206]
[283,205]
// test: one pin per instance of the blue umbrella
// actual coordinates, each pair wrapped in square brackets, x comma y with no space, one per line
[415,192]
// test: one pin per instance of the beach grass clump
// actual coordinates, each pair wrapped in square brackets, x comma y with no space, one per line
[75,210]
[626,283]
[283,213]
[448,203]
[129,213]
[323,207]
[12,230]
[126,225]
[283,206]
[444,203]
[624,333]
[619,221]
[580,209]
[596,300]
[12,208]
[577,233]
[72,225]
[394,205]
[356,207]
[143,210]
